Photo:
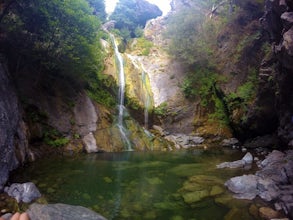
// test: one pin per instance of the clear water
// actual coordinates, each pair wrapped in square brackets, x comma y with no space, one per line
[132,185]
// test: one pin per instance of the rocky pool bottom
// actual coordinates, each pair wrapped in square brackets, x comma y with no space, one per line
[149,185]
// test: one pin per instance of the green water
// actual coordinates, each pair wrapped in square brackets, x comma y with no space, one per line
[150,185]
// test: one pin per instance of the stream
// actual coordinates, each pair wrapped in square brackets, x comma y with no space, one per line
[142,185]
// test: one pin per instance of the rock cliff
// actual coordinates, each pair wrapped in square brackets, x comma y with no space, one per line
[13,136]
[278,22]
[257,41]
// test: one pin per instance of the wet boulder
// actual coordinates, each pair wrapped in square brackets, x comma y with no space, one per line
[273,182]
[244,186]
[26,192]
[61,211]
[245,161]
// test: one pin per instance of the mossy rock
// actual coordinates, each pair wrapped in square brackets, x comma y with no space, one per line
[216,190]
[205,180]
[191,187]
[154,181]
[196,196]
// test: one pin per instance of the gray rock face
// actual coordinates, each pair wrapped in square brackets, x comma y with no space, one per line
[61,212]
[10,120]
[90,143]
[85,115]
[26,192]
[287,19]
[86,118]
[277,20]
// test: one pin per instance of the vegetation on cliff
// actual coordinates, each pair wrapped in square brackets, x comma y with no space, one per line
[58,38]
[217,40]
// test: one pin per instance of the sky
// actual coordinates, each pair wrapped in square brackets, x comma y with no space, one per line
[164,5]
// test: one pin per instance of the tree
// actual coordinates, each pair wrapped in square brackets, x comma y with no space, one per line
[56,35]
[99,8]
[131,14]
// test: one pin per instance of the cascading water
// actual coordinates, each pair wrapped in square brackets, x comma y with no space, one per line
[121,107]
[148,103]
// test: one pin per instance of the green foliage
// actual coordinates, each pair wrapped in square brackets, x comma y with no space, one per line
[138,31]
[244,95]
[267,49]
[55,36]
[161,110]
[193,36]
[246,92]
[99,8]
[143,45]
[131,16]
[53,138]
[199,84]
[219,114]
[61,38]
[100,90]
[202,84]
[133,104]
[246,42]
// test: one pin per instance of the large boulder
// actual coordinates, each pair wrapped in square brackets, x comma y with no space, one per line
[245,161]
[245,186]
[61,212]
[273,182]
[85,115]
[26,192]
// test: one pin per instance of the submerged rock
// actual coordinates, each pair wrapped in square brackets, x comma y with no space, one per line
[196,196]
[199,187]
[26,192]
[61,211]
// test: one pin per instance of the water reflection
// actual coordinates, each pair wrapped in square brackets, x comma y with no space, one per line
[145,185]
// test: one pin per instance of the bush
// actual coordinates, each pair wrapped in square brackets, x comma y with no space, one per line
[144,46]
[54,138]
[161,110]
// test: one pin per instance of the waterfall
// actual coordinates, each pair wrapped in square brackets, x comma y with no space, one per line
[148,102]
[121,107]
